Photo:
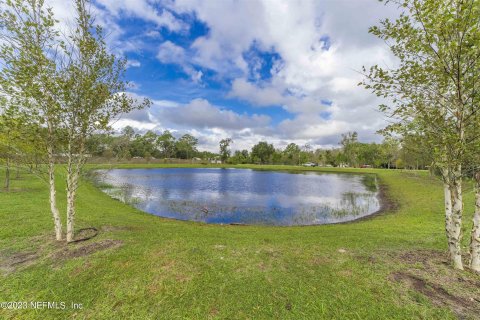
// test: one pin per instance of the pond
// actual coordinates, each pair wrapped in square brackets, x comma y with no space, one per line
[244,196]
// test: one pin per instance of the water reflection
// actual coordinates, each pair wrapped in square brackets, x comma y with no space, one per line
[243,195]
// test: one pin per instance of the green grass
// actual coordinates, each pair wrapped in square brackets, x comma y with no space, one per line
[169,269]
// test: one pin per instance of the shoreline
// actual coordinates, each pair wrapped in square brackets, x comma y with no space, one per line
[387,203]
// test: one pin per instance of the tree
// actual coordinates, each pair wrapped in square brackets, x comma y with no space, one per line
[475,233]
[17,140]
[331,158]
[262,151]
[166,144]
[224,149]
[367,153]
[9,134]
[128,132]
[414,151]
[390,148]
[94,94]
[472,167]
[144,145]
[240,157]
[292,153]
[349,144]
[30,76]
[434,89]
[150,142]
[186,146]
[121,146]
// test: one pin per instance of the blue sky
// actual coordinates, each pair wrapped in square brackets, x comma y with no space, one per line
[281,71]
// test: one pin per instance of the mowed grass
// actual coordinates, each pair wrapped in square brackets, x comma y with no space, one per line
[167,269]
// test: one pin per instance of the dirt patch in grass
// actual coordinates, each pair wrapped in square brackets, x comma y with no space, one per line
[45,246]
[85,243]
[319,261]
[288,306]
[428,258]
[12,262]
[85,234]
[465,308]
[429,273]
[85,249]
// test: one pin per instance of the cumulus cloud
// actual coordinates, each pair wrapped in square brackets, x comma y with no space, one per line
[270,96]
[321,45]
[169,52]
[199,113]
[106,15]
[143,9]
[208,122]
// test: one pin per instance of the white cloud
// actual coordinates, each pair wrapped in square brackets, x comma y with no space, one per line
[168,52]
[271,96]
[308,127]
[264,97]
[143,9]
[322,45]
[153,34]
[133,64]
[105,15]
[200,114]
[209,123]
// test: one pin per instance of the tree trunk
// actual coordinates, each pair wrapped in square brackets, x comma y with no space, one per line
[475,237]
[7,175]
[73,174]
[448,216]
[53,195]
[70,200]
[453,206]
[456,226]
[70,215]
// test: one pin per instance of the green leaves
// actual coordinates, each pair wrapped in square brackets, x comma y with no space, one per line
[434,88]
[224,148]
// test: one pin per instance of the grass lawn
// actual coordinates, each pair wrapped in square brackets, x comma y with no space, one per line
[391,266]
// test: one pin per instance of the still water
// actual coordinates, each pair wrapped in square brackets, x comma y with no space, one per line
[243,196]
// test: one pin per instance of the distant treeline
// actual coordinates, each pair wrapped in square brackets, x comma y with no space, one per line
[391,153]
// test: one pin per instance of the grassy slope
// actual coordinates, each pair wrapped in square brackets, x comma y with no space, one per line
[170,269]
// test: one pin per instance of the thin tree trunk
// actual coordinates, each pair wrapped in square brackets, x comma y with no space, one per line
[7,175]
[73,173]
[53,195]
[448,216]
[451,222]
[70,199]
[70,215]
[475,236]
[456,226]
